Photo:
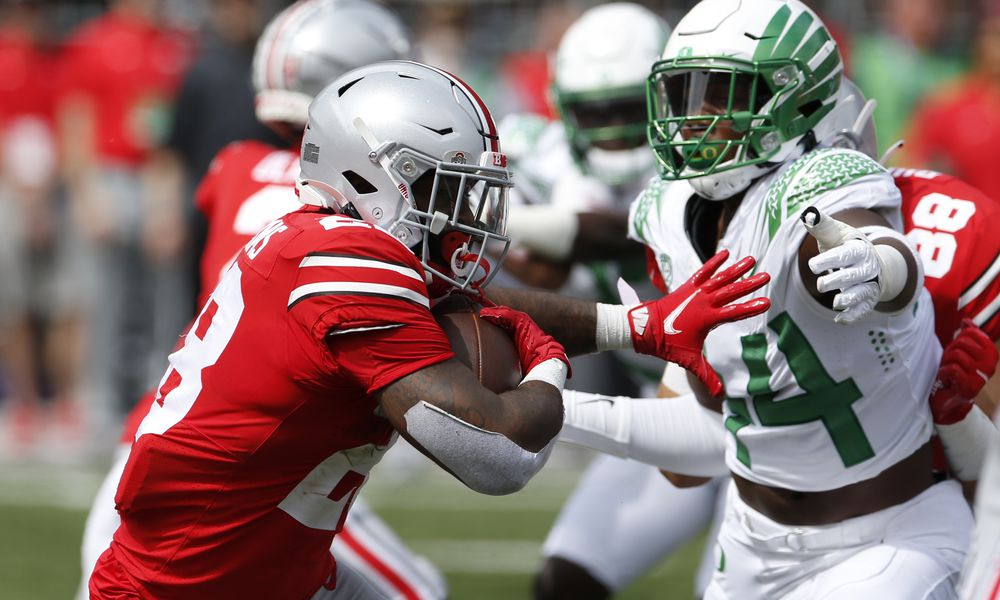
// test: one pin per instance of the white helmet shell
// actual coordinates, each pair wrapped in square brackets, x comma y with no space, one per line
[779,45]
[609,46]
[603,58]
[311,43]
[850,124]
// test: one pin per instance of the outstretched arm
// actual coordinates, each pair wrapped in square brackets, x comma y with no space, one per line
[494,443]
[676,434]
[673,327]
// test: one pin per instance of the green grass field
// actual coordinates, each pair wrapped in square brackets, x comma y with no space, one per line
[487,547]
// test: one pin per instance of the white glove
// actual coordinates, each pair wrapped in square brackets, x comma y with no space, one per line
[864,273]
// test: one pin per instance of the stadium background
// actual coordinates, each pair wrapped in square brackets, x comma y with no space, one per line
[917,57]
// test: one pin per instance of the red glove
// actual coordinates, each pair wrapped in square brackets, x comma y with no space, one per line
[967,364]
[674,327]
[534,346]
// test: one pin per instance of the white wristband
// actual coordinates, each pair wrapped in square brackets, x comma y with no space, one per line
[613,329]
[892,263]
[552,371]
[966,443]
[545,229]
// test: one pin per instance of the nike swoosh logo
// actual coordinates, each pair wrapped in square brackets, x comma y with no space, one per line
[668,323]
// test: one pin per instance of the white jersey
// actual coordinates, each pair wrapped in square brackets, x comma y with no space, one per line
[545,172]
[812,405]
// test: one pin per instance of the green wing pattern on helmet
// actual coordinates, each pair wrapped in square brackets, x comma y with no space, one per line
[779,42]
[793,73]
[815,173]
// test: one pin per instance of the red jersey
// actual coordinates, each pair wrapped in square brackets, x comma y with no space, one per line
[26,87]
[129,70]
[248,185]
[264,426]
[950,223]
[960,126]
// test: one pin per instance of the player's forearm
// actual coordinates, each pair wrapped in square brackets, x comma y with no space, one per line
[603,237]
[492,443]
[571,321]
[989,397]
[676,434]
[529,416]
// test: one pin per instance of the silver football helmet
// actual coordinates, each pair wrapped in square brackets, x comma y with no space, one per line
[311,43]
[413,150]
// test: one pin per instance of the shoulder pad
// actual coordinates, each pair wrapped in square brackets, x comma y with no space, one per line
[519,133]
[812,175]
[339,233]
[645,218]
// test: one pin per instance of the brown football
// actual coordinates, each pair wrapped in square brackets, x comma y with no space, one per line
[482,346]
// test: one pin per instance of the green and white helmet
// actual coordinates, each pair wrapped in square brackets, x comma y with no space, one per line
[739,90]
[599,88]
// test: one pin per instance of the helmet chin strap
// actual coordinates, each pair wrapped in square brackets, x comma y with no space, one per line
[473,267]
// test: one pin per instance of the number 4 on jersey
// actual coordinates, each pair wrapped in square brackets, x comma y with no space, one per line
[823,399]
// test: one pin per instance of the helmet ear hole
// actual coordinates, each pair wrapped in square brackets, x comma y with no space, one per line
[359,183]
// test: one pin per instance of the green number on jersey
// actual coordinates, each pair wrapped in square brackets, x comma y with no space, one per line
[823,399]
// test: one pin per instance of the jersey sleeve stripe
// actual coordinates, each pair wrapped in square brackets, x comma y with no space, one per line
[358,288]
[984,316]
[980,284]
[315,260]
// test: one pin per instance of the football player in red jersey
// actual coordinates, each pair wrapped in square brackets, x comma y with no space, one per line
[250,184]
[318,346]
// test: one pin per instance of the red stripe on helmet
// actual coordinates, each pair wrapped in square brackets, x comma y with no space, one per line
[269,66]
[484,113]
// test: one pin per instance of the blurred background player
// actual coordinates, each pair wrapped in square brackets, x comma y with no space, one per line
[251,184]
[120,73]
[902,60]
[956,124]
[575,175]
[40,318]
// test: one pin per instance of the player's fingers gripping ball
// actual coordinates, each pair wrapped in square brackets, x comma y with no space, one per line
[674,327]
[967,363]
[534,346]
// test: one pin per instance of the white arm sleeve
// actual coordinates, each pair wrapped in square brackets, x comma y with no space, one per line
[967,442]
[486,461]
[676,434]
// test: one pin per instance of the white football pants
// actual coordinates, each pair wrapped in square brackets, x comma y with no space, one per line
[911,551]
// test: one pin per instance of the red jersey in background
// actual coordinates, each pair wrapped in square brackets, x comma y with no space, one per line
[128,70]
[248,185]
[951,222]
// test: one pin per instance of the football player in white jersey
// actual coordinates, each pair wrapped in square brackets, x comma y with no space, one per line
[825,396]
[964,297]
[574,176]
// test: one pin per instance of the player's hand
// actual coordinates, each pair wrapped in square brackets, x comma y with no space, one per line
[675,326]
[967,364]
[534,346]
[850,263]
